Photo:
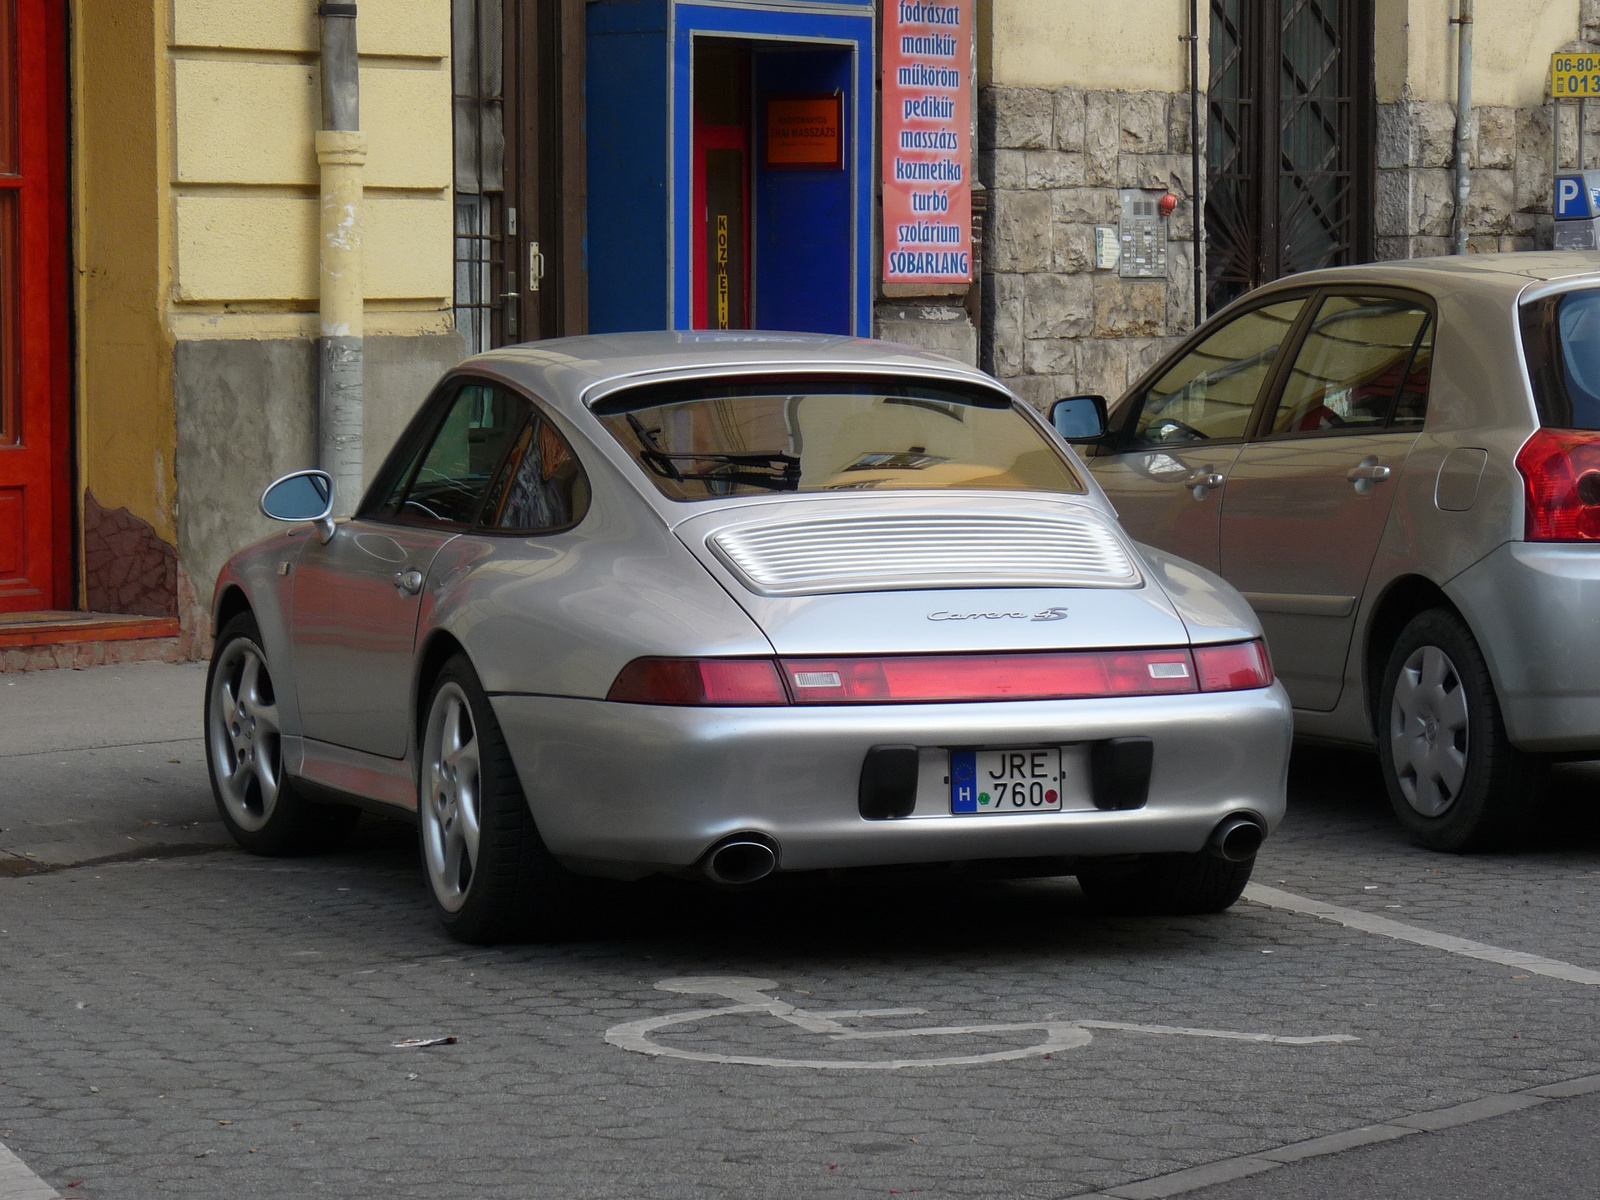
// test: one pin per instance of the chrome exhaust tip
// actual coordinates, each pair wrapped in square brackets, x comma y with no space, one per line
[740,860]
[1237,839]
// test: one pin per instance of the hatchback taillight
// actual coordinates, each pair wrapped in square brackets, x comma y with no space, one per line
[1561,471]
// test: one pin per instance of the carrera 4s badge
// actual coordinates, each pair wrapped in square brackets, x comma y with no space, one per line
[1044,614]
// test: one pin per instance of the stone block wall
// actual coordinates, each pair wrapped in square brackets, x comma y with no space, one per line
[1508,206]
[1053,161]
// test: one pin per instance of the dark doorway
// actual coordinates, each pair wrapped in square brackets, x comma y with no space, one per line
[721,184]
[519,175]
[772,189]
[1290,141]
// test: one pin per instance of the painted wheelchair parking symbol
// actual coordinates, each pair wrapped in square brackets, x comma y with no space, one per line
[1053,1033]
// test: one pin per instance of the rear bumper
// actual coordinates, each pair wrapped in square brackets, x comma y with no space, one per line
[656,787]
[1536,611]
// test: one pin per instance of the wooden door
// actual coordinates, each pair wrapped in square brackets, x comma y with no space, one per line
[35,533]
[519,174]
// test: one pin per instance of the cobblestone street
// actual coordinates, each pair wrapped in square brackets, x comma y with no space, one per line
[210,1024]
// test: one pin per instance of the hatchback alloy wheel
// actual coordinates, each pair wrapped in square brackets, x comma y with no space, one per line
[1429,730]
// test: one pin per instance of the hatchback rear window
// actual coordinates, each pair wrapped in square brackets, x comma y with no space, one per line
[707,440]
[1561,340]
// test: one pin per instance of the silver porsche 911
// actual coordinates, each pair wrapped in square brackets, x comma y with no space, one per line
[736,604]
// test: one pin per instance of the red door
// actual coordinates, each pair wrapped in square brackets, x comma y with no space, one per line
[35,545]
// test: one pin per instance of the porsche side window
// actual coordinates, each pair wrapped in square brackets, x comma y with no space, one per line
[1209,393]
[454,474]
[541,487]
[1351,368]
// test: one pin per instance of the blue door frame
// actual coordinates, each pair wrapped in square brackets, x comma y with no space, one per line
[640,236]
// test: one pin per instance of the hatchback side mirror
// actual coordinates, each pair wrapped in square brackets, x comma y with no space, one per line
[1080,418]
[301,496]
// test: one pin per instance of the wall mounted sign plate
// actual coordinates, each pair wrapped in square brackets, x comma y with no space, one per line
[927,141]
[805,133]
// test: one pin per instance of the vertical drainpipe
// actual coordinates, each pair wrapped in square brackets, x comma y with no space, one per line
[1458,223]
[1196,180]
[341,153]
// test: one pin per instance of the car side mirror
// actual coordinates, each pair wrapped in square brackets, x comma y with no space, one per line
[301,496]
[1080,418]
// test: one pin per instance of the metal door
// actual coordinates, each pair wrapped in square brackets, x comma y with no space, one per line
[1308,501]
[1290,141]
[35,548]
[1174,441]
[1299,534]
[356,602]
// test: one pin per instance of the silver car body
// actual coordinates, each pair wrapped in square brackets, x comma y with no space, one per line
[1336,566]
[626,789]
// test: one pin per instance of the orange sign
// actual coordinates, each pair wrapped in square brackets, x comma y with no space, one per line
[806,131]
[927,141]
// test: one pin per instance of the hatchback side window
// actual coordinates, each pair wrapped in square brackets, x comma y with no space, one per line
[1209,393]
[1357,361]
[450,482]
[541,488]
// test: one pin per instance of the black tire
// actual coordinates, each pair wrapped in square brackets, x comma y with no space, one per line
[1165,884]
[1455,781]
[508,886]
[260,805]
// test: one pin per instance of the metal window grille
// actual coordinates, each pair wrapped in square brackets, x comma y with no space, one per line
[480,215]
[1288,153]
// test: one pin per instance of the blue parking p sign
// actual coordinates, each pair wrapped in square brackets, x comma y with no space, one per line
[1572,199]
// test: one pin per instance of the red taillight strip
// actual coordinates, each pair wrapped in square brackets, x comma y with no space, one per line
[947,678]
[924,678]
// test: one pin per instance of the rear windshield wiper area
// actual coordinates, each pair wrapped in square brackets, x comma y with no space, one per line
[772,472]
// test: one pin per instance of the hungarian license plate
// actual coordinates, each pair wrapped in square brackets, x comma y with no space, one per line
[1005,781]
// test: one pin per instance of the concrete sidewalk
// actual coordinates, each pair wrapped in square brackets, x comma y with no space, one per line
[102,762]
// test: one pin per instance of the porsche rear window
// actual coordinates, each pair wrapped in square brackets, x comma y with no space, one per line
[1561,341]
[832,436]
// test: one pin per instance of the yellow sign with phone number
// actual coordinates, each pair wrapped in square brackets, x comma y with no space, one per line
[1574,75]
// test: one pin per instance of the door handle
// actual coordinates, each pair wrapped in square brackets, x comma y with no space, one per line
[1367,474]
[1377,473]
[1201,482]
[408,582]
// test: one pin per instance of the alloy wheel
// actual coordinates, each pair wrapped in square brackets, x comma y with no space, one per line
[1428,731]
[244,731]
[451,797]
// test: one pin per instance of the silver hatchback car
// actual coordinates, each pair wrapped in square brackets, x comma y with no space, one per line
[1399,466]
[730,604]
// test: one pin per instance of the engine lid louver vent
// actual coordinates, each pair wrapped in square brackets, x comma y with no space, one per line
[872,552]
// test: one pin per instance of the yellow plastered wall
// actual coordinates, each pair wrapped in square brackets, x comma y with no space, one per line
[125,436]
[1512,42]
[246,102]
[1129,45]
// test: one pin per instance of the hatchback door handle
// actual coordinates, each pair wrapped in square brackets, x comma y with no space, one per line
[1203,481]
[1367,474]
[408,582]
